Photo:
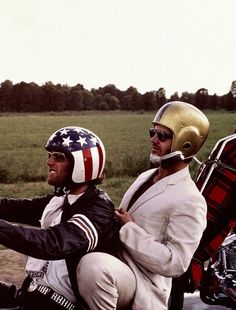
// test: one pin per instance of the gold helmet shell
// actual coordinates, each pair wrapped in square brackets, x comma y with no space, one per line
[189,125]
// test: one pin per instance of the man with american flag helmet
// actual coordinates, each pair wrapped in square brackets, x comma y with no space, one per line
[78,218]
[86,150]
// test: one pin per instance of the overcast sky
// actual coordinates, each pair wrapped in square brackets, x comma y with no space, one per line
[181,45]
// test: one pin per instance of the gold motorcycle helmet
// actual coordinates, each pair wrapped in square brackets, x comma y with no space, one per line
[190,127]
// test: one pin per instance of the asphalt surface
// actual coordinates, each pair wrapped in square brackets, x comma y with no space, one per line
[193,302]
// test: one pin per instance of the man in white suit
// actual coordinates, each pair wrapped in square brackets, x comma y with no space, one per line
[162,218]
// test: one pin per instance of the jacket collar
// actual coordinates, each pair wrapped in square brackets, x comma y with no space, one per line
[158,187]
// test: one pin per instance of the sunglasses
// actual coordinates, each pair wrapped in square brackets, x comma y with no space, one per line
[161,135]
[57,156]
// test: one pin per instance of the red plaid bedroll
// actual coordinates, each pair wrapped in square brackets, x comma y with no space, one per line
[217,182]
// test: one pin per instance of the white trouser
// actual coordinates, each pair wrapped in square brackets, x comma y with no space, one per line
[105,282]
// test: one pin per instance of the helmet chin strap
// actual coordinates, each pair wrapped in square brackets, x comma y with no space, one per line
[156,160]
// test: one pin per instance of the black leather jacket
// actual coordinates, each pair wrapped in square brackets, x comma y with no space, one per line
[63,241]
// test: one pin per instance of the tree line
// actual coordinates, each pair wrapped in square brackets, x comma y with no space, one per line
[30,97]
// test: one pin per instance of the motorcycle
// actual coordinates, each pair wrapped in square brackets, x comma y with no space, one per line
[217,182]
[219,286]
[212,270]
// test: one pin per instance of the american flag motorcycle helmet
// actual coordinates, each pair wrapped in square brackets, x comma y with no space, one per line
[85,147]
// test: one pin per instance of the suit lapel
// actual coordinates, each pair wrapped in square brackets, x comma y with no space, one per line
[133,188]
[151,192]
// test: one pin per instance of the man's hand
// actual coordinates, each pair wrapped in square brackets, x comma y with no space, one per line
[123,216]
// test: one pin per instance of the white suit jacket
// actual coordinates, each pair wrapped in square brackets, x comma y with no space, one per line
[168,222]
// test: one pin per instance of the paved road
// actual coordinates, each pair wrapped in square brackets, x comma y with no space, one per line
[193,302]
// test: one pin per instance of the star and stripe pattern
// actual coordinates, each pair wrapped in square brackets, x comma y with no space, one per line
[87,149]
[88,228]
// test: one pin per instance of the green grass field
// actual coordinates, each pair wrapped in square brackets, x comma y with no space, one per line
[125,135]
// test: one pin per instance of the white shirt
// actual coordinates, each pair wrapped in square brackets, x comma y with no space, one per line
[53,273]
